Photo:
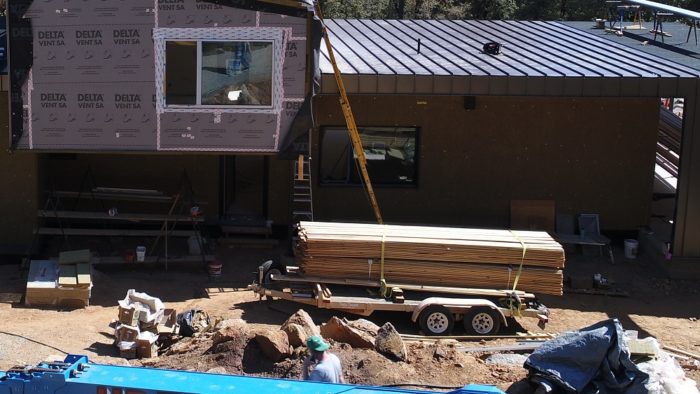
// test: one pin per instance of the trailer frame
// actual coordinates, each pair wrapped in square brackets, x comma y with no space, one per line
[482,311]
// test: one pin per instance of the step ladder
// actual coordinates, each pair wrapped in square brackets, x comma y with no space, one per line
[302,198]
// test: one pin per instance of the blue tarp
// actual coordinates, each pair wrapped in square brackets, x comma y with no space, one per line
[591,360]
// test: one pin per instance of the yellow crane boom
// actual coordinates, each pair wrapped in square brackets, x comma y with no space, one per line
[350,121]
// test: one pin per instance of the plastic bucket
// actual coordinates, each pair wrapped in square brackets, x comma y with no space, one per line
[631,246]
[140,253]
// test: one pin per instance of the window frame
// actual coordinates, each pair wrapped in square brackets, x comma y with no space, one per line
[412,185]
[278,35]
[198,98]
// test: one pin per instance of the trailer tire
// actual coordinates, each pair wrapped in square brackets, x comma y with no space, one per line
[436,320]
[271,267]
[482,321]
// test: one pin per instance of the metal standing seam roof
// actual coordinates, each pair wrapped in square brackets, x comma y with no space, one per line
[537,58]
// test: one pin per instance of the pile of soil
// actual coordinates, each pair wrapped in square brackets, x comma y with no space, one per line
[438,364]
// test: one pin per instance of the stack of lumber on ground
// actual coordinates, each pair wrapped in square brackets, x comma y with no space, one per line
[455,257]
[66,282]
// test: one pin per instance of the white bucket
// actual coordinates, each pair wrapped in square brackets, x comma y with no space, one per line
[140,253]
[631,246]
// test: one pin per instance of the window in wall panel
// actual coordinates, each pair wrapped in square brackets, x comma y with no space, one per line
[218,73]
[390,153]
[181,72]
[236,73]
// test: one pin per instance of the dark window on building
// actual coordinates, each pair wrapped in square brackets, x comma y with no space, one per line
[390,153]
[219,73]
[181,72]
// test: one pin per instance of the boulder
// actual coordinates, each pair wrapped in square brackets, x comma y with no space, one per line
[303,320]
[274,344]
[389,343]
[232,329]
[358,334]
[296,334]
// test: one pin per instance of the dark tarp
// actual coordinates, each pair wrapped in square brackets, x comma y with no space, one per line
[591,360]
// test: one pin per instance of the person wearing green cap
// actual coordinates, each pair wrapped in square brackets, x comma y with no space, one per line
[321,365]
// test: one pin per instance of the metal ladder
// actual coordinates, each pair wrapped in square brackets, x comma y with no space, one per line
[302,198]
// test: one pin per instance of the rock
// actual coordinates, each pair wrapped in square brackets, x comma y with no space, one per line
[506,359]
[365,326]
[443,351]
[389,343]
[230,331]
[274,344]
[342,331]
[301,319]
[296,334]
[220,370]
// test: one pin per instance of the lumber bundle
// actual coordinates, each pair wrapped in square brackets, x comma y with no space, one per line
[434,256]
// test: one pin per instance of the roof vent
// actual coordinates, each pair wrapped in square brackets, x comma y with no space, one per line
[492,48]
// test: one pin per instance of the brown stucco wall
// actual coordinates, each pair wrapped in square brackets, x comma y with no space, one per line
[19,173]
[590,155]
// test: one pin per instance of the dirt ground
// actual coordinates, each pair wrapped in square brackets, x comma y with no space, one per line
[656,307]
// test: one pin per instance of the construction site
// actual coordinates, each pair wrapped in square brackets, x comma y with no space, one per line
[205,196]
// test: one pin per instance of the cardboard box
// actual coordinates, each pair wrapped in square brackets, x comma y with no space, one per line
[125,333]
[146,349]
[127,349]
[128,316]
[149,327]
[168,323]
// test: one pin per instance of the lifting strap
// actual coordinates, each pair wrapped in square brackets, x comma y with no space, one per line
[516,309]
[384,289]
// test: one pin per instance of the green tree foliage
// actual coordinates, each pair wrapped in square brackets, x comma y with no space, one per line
[469,9]
[493,9]
[538,10]
[360,9]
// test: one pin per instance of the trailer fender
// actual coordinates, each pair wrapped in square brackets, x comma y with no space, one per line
[457,303]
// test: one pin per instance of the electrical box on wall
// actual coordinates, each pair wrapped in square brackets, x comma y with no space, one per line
[469,102]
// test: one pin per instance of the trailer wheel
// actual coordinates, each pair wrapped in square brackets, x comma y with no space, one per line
[482,321]
[269,268]
[436,320]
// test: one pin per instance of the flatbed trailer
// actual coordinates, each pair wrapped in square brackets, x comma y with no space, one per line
[434,308]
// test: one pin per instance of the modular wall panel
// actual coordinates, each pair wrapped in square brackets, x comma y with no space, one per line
[91,75]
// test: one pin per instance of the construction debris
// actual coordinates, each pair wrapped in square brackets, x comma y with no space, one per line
[142,324]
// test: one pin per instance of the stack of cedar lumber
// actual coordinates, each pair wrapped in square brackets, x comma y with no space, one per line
[432,256]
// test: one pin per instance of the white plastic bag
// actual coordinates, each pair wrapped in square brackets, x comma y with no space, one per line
[667,377]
